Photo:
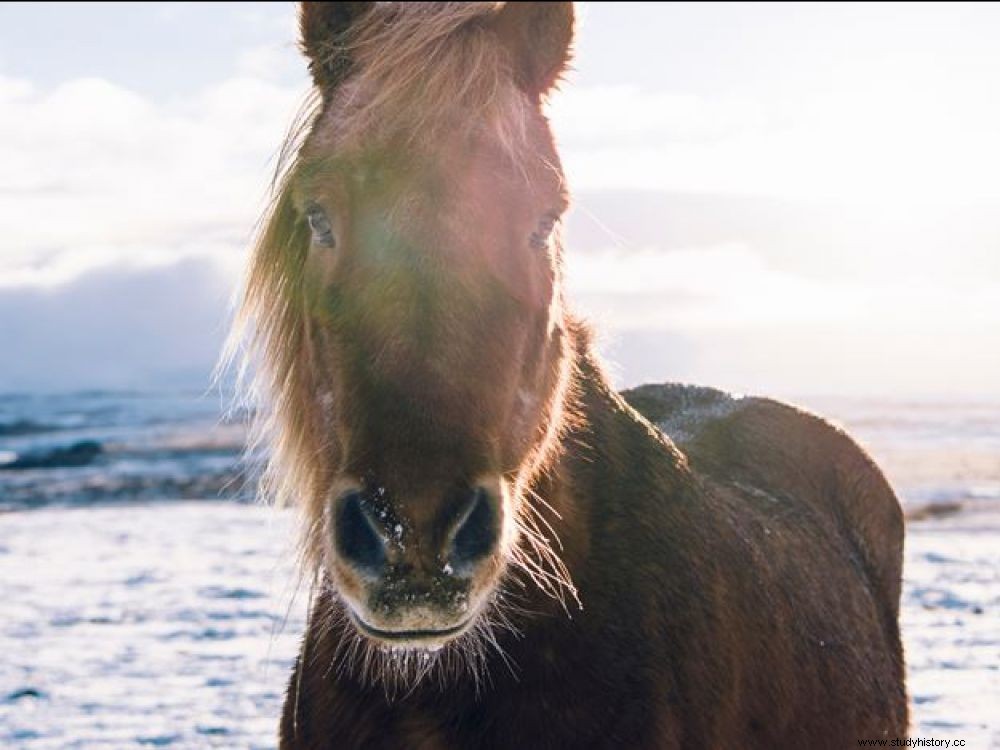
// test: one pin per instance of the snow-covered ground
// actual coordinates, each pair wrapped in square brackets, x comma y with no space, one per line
[951,627]
[159,625]
[165,625]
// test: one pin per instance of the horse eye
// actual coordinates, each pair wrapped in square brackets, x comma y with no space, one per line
[540,237]
[319,225]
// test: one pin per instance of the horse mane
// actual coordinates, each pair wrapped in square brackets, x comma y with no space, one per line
[418,68]
[422,67]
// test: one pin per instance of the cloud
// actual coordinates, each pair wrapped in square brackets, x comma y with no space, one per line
[134,328]
[124,226]
[698,288]
[893,133]
[604,116]
[724,315]
[733,287]
[98,172]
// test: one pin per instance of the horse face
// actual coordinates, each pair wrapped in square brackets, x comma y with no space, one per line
[404,295]
[431,282]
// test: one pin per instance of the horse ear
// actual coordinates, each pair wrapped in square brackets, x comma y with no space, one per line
[539,37]
[324,28]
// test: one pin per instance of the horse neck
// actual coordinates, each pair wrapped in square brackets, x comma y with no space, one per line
[562,493]
[609,452]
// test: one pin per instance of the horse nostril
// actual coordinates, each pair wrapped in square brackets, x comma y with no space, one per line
[356,537]
[477,531]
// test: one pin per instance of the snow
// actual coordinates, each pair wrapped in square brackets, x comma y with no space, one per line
[163,625]
[951,628]
[157,625]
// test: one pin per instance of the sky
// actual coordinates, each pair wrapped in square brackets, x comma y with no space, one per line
[771,198]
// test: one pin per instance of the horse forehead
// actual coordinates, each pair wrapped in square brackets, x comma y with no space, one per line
[362,115]
[460,164]
[438,208]
[450,176]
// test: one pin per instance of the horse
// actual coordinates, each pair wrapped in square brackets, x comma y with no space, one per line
[502,552]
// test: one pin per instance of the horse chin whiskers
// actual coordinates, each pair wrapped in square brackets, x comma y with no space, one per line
[399,669]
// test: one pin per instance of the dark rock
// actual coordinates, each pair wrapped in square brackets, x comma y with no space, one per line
[77,454]
[23,427]
[940,509]
[28,692]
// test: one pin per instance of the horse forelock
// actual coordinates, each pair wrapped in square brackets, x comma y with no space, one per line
[421,70]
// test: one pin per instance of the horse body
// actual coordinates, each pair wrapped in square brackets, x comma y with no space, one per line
[504,553]
[759,609]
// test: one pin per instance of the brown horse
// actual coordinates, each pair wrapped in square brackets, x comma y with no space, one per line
[504,553]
